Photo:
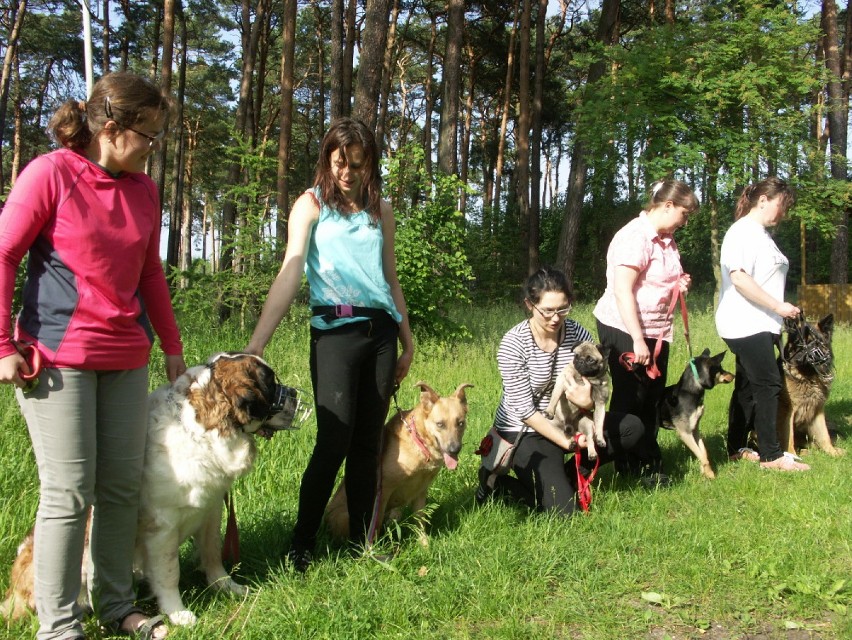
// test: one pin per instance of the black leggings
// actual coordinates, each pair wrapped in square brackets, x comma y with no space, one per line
[352,372]
[634,392]
[754,402]
[545,481]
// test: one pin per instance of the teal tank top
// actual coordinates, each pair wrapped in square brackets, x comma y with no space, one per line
[344,265]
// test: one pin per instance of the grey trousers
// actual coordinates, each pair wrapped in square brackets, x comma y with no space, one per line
[88,430]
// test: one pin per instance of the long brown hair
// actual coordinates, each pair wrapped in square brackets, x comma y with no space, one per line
[342,134]
[771,188]
[125,98]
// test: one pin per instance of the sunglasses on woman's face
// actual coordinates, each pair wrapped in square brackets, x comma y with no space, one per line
[547,314]
[152,140]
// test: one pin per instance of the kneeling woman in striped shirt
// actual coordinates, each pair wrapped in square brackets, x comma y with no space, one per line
[530,357]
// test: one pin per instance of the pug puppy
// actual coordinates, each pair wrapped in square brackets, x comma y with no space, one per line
[590,362]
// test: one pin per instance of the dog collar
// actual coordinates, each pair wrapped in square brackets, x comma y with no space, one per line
[409,424]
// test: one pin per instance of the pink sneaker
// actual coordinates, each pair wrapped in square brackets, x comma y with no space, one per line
[745,454]
[785,463]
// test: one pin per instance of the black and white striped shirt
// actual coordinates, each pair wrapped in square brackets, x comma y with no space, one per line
[527,370]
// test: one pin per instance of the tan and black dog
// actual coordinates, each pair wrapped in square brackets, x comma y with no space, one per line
[417,444]
[590,362]
[808,366]
[682,404]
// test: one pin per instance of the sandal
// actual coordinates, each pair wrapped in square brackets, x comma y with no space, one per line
[745,454]
[145,630]
[785,463]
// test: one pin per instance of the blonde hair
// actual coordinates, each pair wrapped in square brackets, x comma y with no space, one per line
[125,98]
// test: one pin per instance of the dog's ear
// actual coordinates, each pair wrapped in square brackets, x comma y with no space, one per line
[826,325]
[717,358]
[604,351]
[428,397]
[705,353]
[460,391]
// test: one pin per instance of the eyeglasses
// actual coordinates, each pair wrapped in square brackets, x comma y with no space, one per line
[547,314]
[151,139]
[108,107]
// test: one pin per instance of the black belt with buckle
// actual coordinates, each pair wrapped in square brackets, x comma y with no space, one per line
[334,311]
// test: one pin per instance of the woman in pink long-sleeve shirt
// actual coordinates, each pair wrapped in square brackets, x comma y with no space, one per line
[90,220]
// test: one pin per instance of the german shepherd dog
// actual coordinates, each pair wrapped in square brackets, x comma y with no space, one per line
[682,404]
[808,365]
[590,362]
[417,444]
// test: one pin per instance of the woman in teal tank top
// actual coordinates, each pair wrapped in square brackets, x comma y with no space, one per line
[341,233]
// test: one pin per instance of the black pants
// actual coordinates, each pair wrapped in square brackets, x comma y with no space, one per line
[634,392]
[754,402]
[545,481]
[352,372]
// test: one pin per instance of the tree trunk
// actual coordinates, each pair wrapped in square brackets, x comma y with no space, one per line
[348,61]
[387,75]
[504,110]
[522,169]
[229,206]
[534,257]
[371,62]
[105,39]
[467,126]
[427,92]
[838,108]
[158,168]
[11,49]
[607,34]
[177,243]
[336,65]
[448,136]
[288,52]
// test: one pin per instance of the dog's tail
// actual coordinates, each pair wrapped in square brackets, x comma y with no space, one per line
[19,600]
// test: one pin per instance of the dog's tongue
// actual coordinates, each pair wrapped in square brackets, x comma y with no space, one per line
[451,462]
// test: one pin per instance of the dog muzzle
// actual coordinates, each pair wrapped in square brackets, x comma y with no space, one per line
[289,409]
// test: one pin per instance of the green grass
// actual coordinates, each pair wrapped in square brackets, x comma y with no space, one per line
[750,555]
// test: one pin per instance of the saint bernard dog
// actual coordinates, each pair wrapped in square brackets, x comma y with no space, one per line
[201,432]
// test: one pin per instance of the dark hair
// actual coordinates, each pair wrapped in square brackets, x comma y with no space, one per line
[343,133]
[677,191]
[125,98]
[769,187]
[545,280]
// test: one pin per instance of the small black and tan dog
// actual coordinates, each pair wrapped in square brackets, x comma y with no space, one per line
[682,404]
[808,366]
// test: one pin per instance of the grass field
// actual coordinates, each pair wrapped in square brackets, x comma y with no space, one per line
[752,554]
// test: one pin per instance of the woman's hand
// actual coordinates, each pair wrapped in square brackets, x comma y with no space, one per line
[643,354]
[685,282]
[787,310]
[403,364]
[175,367]
[580,393]
[10,366]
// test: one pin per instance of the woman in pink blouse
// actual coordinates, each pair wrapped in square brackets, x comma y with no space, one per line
[643,268]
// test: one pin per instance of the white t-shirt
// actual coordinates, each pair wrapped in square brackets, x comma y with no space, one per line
[748,247]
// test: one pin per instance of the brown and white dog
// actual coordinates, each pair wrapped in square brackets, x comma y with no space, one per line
[201,434]
[417,444]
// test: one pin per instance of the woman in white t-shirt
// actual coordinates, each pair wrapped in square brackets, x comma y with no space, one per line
[749,316]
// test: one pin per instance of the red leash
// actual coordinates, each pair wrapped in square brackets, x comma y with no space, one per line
[231,543]
[33,357]
[584,484]
[628,358]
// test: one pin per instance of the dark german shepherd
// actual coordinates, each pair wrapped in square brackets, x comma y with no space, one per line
[682,404]
[808,365]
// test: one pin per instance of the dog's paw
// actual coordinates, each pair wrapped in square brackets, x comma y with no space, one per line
[548,415]
[183,618]
[235,588]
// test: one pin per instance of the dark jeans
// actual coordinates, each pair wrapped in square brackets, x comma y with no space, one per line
[754,402]
[352,372]
[634,392]
[545,481]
